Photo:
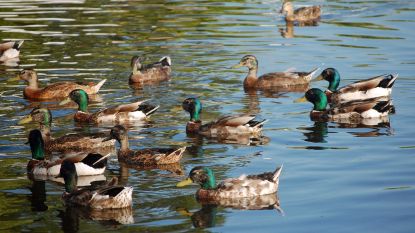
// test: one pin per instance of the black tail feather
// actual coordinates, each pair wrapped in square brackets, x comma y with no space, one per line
[383,106]
[388,81]
[91,158]
[147,109]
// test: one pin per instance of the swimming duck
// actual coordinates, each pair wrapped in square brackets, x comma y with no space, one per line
[353,110]
[311,13]
[379,86]
[66,143]
[155,72]
[269,80]
[86,164]
[144,157]
[224,126]
[109,196]
[244,186]
[54,90]
[10,50]
[121,113]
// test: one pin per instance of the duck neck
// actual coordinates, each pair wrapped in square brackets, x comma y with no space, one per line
[124,144]
[334,82]
[136,69]
[83,103]
[70,182]
[33,83]
[210,182]
[320,104]
[251,78]
[45,130]
[37,149]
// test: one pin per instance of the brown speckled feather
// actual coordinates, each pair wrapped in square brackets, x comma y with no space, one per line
[79,142]
[151,156]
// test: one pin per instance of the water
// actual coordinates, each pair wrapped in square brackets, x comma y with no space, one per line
[335,178]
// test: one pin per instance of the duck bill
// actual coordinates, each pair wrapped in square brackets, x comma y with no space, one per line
[65,101]
[17,78]
[237,66]
[25,120]
[300,100]
[185,182]
[319,78]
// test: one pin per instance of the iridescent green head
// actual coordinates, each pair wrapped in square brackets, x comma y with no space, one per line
[332,76]
[249,61]
[81,98]
[37,145]
[42,116]
[201,175]
[318,98]
[194,107]
[68,173]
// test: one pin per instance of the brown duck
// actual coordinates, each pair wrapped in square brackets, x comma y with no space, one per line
[151,73]
[10,50]
[272,80]
[144,157]
[54,90]
[70,142]
[121,113]
[302,14]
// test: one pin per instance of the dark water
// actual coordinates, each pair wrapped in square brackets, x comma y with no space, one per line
[336,178]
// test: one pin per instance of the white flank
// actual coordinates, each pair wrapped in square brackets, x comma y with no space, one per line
[361,95]
[85,170]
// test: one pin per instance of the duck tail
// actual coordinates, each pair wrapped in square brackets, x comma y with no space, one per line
[95,160]
[310,74]
[388,81]
[257,124]
[96,88]
[175,156]
[18,44]
[384,107]
[148,109]
[165,61]
[277,173]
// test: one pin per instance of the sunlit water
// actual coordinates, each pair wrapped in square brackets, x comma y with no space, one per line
[335,179]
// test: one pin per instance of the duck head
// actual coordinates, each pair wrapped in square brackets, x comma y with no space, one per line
[201,175]
[80,97]
[68,173]
[332,76]
[41,115]
[30,76]
[194,107]
[287,8]
[318,98]
[37,145]
[249,61]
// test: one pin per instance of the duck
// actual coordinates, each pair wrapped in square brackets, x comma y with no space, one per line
[55,90]
[67,143]
[379,86]
[302,14]
[155,72]
[145,157]
[353,111]
[121,113]
[241,187]
[10,50]
[38,166]
[109,196]
[225,126]
[270,80]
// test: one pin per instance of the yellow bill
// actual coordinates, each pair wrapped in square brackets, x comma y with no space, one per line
[300,100]
[319,78]
[65,101]
[184,212]
[17,78]
[237,66]
[25,120]
[184,182]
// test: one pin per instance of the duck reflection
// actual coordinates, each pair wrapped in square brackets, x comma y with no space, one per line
[288,31]
[316,133]
[377,127]
[38,197]
[71,216]
[207,216]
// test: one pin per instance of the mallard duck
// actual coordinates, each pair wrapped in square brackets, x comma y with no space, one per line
[143,157]
[10,50]
[224,126]
[121,113]
[311,13]
[269,80]
[379,86]
[353,110]
[244,186]
[110,196]
[86,164]
[66,143]
[54,90]
[155,72]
